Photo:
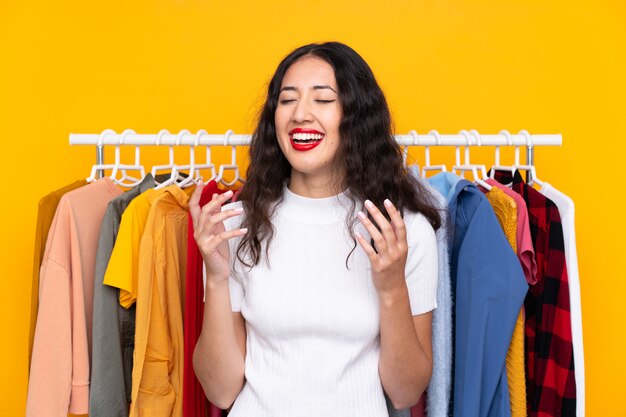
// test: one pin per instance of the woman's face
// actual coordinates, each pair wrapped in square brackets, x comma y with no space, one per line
[307,123]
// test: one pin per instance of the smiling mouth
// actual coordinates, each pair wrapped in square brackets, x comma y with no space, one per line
[306,138]
[305,141]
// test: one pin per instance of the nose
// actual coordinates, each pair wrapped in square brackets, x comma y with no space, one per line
[302,111]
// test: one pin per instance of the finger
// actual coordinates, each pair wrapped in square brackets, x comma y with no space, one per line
[378,238]
[382,222]
[220,217]
[213,242]
[232,233]
[213,206]
[397,222]
[218,200]
[369,250]
[209,221]
[194,203]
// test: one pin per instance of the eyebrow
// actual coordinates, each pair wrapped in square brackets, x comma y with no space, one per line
[315,87]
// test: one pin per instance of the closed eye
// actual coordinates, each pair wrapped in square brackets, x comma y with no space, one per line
[319,101]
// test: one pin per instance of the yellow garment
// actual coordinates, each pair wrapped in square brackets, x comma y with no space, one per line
[505,209]
[45,213]
[158,356]
[124,263]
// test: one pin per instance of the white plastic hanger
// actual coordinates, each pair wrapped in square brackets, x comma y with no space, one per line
[233,165]
[126,180]
[467,166]
[175,176]
[496,166]
[481,167]
[168,167]
[208,164]
[427,166]
[180,180]
[194,169]
[531,168]
[96,167]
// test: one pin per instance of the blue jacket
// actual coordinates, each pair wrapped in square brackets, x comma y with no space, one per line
[488,288]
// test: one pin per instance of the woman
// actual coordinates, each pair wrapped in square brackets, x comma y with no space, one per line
[321,281]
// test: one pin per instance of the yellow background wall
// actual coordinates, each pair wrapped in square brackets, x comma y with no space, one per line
[545,66]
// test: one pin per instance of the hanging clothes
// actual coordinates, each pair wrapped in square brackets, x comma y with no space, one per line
[123,269]
[526,255]
[566,210]
[113,325]
[551,381]
[158,360]
[488,289]
[525,248]
[45,213]
[122,275]
[437,398]
[59,377]
[505,210]
[195,403]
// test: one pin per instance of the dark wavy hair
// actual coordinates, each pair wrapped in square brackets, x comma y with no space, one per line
[374,166]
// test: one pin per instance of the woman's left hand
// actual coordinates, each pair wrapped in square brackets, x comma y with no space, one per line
[388,259]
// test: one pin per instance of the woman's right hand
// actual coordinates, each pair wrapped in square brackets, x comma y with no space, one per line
[210,234]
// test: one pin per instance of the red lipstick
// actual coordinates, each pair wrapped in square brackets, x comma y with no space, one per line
[305,145]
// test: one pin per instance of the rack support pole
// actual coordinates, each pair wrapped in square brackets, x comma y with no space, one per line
[100,159]
[530,156]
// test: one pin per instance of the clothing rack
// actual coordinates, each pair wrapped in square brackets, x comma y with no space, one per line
[229,138]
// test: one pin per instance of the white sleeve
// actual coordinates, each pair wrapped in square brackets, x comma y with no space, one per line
[235,284]
[422,268]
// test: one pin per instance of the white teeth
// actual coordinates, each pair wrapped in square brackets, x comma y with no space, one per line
[307,136]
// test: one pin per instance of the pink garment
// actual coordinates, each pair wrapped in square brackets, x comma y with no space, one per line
[525,248]
[59,375]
